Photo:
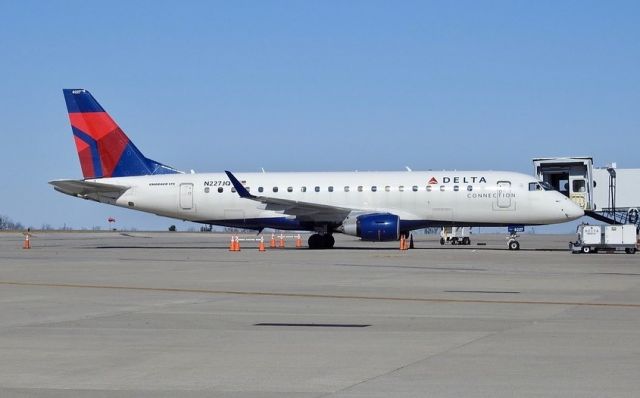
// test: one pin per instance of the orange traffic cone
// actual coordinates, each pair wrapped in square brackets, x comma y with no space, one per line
[26,244]
[402,242]
[281,241]
[261,245]
[237,244]
[272,243]
[298,241]
[232,246]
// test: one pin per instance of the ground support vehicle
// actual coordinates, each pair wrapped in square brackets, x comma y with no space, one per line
[594,238]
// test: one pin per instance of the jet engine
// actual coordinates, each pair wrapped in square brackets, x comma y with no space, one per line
[373,227]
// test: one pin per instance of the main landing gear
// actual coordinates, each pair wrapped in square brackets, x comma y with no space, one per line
[321,241]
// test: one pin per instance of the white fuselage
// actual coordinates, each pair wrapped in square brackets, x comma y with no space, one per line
[424,198]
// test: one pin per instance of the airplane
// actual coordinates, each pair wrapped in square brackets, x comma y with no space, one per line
[374,206]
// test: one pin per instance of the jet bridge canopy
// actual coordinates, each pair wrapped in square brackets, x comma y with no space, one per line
[607,194]
[572,177]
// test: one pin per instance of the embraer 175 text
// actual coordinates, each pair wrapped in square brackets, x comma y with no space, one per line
[375,206]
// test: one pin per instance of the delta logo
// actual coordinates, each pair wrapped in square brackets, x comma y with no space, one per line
[458,180]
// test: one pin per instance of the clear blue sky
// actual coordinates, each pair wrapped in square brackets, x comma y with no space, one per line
[313,85]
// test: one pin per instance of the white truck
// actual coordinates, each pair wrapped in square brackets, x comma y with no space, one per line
[592,238]
[455,235]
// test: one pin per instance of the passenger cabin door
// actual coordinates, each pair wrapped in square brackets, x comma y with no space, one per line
[186,196]
[504,197]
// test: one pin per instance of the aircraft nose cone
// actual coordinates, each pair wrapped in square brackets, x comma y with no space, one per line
[572,210]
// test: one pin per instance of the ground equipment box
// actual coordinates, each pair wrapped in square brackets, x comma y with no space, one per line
[592,238]
[455,235]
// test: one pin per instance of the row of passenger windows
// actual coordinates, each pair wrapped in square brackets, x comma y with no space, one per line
[359,188]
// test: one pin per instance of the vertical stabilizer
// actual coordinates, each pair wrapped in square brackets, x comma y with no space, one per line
[103,148]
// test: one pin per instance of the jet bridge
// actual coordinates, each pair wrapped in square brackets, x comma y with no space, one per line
[607,194]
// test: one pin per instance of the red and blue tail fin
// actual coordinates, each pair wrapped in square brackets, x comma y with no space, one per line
[103,148]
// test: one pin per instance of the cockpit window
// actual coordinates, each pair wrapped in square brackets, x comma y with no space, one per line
[540,186]
[546,186]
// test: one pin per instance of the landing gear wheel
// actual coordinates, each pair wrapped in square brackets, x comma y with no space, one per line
[328,241]
[512,242]
[315,241]
[586,249]
[630,250]
[442,242]
[466,241]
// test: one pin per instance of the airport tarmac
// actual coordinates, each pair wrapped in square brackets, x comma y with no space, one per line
[178,315]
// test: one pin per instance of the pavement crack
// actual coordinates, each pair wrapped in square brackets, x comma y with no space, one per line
[407,365]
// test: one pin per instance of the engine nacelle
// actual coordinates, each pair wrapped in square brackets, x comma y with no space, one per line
[378,227]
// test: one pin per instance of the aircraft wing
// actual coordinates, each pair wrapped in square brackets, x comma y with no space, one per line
[302,210]
[89,190]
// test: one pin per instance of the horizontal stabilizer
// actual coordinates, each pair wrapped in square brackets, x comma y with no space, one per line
[89,190]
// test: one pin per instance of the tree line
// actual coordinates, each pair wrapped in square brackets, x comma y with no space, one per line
[7,224]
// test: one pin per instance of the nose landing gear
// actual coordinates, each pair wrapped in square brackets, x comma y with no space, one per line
[512,239]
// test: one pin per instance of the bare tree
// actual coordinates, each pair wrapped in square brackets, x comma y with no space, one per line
[7,224]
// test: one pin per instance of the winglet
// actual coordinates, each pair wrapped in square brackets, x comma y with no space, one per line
[242,191]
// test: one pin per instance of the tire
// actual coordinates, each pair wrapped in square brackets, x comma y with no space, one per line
[328,241]
[466,241]
[586,249]
[442,241]
[514,245]
[315,242]
[630,250]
